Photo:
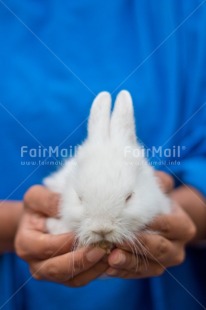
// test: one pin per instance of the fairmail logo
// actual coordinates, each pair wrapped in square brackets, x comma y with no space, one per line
[51,151]
[50,156]
[159,152]
[156,156]
[55,155]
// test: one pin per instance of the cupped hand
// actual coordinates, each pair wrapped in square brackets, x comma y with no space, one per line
[51,257]
[162,248]
[162,245]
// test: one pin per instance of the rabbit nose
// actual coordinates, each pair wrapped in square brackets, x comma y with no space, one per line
[102,232]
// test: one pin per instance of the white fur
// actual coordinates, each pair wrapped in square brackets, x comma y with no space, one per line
[94,184]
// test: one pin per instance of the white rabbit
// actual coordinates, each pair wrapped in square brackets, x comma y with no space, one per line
[107,194]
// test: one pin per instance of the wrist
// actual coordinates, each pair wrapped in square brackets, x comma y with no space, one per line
[10,213]
[194,203]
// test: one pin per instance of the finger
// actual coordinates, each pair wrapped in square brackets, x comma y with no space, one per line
[175,226]
[85,277]
[37,245]
[157,249]
[32,241]
[165,180]
[153,270]
[121,259]
[33,221]
[123,264]
[40,199]
[65,267]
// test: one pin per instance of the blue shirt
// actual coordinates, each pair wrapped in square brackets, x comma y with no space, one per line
[54,58]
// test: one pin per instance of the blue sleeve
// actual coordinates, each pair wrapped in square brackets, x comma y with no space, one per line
[192,135]
[193,173]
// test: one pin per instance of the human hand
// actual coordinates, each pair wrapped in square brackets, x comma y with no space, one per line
[165,180]
[163,248]
[50,257]
[158,251]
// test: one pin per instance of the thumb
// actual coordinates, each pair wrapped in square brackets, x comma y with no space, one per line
[38,198]
[165,180]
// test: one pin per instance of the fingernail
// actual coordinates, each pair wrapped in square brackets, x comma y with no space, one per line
[95,255]
[111,272]
[119,259]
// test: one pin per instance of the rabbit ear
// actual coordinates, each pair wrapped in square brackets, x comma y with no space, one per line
[122,121]
[99,119]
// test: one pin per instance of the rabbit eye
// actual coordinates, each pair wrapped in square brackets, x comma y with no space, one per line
[79,196]
[129,197]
